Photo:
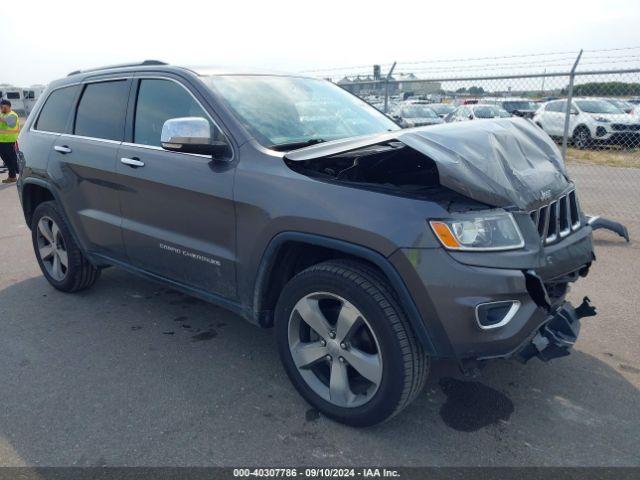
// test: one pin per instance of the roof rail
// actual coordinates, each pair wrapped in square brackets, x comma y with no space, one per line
[121,65]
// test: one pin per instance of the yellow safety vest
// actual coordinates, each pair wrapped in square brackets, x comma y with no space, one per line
[9,134]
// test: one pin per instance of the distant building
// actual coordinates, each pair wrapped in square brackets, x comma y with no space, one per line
[402,83]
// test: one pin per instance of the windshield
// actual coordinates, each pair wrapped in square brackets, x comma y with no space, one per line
[289,110]
[418,111]
[487,112]
[519,105]
[442,109]
[597,106]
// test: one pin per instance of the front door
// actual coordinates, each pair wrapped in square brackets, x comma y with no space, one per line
[178,217]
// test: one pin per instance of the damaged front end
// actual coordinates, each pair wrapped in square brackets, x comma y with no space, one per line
[500,183]
[507,163]
[556,337]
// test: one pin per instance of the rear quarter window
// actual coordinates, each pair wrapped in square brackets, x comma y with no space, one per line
[55,112]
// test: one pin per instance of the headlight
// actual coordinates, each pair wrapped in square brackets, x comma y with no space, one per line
[479,232]
[602,119]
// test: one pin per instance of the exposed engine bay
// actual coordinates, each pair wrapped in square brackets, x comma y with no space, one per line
[390,167]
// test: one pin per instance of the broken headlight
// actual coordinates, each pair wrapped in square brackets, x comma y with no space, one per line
[479,232]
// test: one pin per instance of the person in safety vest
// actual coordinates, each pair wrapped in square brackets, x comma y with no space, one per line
[9,129]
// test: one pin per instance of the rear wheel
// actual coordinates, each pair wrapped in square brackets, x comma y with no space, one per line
[346,344]
[61,261]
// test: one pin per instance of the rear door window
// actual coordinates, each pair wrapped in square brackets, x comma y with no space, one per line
[102,109]
[55,112]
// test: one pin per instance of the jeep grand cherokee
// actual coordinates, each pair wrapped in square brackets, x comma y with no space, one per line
[294,204]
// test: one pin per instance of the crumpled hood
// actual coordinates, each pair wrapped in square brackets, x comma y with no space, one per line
[500,162]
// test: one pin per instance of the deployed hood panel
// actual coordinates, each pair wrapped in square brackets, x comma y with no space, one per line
[500,162]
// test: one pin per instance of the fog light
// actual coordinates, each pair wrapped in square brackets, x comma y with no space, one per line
[496,314]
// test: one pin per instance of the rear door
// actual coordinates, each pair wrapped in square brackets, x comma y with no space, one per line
[178,212]
[84,165]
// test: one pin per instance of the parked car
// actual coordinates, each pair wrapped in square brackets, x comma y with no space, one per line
[520,107]
[623,105]
[370,250]
[413,114]
[442,109]
[477,112]
[590,121]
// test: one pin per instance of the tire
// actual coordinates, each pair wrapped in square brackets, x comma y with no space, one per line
[582,138]
[396,366]
[78,273]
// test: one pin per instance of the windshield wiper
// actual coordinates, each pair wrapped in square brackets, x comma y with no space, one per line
[283,147]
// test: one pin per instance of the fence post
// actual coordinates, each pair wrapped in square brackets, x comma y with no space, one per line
[567,113]
[386,88]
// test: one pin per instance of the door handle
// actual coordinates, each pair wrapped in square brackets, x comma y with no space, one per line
[132,162]
[62,149]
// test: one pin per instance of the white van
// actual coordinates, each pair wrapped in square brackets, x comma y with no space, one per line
[22,99]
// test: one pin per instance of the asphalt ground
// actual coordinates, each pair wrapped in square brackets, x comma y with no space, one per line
[130,373]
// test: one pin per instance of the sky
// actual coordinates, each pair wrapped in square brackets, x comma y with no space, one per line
[47,40]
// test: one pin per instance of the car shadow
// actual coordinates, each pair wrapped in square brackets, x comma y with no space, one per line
[129,373]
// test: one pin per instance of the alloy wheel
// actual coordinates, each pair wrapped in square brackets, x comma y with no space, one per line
[335,349]
[52,249]
[582,138]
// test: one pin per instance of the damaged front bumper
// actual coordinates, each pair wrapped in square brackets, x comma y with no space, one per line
[558,334]
[479,312]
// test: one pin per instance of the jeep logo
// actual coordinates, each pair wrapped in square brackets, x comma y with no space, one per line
[545,194]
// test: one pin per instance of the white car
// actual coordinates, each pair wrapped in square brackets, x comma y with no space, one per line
[590,121]
[623,105]
[415,114]
[477,112]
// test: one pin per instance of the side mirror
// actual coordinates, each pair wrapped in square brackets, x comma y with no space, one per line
[191,135]
[573,112]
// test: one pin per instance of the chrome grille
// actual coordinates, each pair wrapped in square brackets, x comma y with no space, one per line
[558,219]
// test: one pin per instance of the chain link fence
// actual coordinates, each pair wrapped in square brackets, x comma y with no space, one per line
[599,135]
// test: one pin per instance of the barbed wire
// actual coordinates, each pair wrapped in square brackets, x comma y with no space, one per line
[569,57]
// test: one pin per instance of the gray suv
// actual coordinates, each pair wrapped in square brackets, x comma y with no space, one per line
[370,249]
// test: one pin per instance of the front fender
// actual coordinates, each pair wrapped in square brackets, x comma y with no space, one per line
[268,263]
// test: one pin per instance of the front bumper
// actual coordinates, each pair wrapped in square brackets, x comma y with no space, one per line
[606,134]
[447,292]
[556,337]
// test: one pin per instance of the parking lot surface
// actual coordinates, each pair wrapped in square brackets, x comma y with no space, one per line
[132,373]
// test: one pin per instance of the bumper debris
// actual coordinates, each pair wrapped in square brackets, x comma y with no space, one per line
[556,337]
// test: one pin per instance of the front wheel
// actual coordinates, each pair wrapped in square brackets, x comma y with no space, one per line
[346,345]
[62,262]
[582,138]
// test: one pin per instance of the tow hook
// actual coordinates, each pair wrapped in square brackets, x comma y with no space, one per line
[556,337]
